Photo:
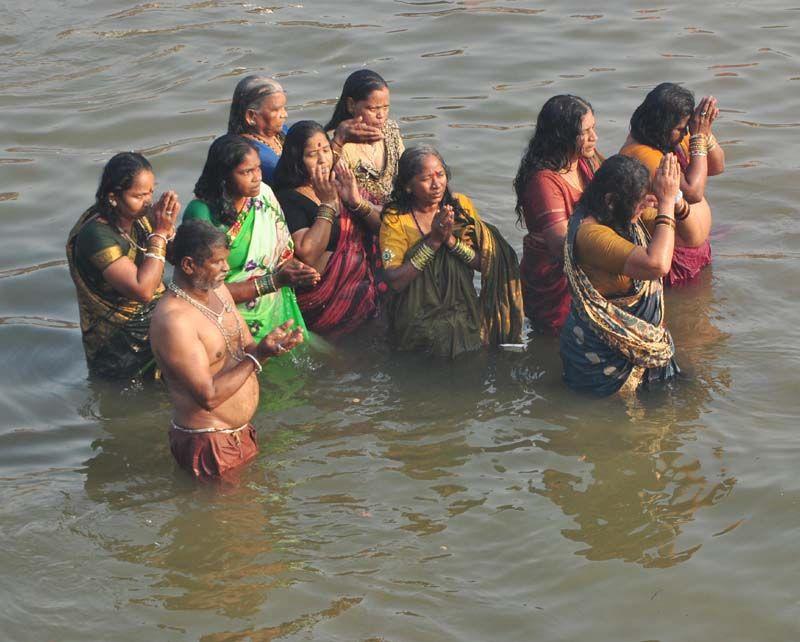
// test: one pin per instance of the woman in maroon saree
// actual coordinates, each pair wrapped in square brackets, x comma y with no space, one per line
[330,223]
[558,164]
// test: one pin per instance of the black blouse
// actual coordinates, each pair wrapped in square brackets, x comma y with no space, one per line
[301,212]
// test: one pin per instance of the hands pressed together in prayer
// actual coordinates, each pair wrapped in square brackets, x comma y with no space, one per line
[442,227]
[704,116]
[667,180]
[164,214]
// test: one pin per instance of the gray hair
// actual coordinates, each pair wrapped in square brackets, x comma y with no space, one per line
[250,93]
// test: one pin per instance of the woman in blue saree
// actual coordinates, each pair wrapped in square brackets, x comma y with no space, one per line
[619,246]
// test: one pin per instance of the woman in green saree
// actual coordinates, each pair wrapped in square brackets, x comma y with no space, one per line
[116,255]
[263,270]
[432,241]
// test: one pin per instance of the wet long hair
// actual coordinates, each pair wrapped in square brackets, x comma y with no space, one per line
[554,141]
[410,164]
[225,154]
[358,86]
[250,93]
[291,172]
[197,240]
[118,175]
[625,180]
[660,112]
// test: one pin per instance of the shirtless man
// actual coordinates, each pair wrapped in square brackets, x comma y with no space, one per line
[208,357]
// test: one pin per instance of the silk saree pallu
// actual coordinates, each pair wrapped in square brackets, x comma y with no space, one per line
[115,330]
[439,313]
[346,295]
[259,243]
[608,345]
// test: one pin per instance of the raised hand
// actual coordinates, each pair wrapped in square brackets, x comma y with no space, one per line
[280,340]
[165,213]
[667,181]
[324,186]
[442,225]
[294,273]
[704,115]
[355,130]
[346,185]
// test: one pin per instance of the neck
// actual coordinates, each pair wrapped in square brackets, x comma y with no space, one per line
[239,203]
[187,286]
[125,224]
[426,209]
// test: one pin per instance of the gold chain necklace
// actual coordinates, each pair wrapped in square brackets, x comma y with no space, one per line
[275,145]
[127,237]
[215,318]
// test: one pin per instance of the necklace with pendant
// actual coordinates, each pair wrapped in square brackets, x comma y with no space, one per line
[128,238]
[215,318]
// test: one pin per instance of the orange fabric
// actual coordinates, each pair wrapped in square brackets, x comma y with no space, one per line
[602,254]
[650,157]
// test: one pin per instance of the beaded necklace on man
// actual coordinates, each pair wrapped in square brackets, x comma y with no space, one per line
[215,318]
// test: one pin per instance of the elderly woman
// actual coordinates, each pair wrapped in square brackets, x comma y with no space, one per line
[668,121]
[258,112]
[365,99]
[116,256]
[558,164]
[231,196]
[617,251]
[330,224]
[432,241]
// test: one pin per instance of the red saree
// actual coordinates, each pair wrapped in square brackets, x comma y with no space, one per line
[687,261]
[549,200]
[346,296]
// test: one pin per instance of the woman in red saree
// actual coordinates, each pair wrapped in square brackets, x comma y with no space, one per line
[558,164]
[329,222]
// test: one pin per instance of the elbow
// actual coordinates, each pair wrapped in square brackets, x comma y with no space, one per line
[693,195]
[207,399]
[143,297]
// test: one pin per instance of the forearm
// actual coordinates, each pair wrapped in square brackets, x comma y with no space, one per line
[693,230]
[314,242]
[225,384]
[716,160]
[693,184]
[400,278]
[243,291]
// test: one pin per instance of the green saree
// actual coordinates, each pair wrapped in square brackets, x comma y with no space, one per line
[440,312]
[115,329]
[259,242]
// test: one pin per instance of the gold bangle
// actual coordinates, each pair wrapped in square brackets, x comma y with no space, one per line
[463,251]
[663,219]
[422,256]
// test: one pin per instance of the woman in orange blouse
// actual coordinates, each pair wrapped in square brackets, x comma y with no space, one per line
[668,121]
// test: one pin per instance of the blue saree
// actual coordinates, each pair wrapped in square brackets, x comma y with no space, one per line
[617,344]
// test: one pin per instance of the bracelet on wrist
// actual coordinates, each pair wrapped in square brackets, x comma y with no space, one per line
[423,255]
[265,284]
[256,364]
[157,257]
[463,251]
[663,219]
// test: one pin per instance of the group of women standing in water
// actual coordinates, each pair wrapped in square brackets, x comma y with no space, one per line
[333,226]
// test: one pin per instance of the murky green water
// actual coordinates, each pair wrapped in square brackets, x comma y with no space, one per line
[394,499]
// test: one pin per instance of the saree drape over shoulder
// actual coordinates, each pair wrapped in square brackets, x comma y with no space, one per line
[346,295]
[115,329]
[686,261]
[440,313]
[608,343]
[259,242]
[549,200]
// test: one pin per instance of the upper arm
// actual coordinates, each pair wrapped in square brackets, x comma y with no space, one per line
[123,276]
[181,354]
[600,247]
[393,241]
[197,210]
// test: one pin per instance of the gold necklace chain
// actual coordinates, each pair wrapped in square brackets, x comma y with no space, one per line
[125,235]
[215,318]
[276,145]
